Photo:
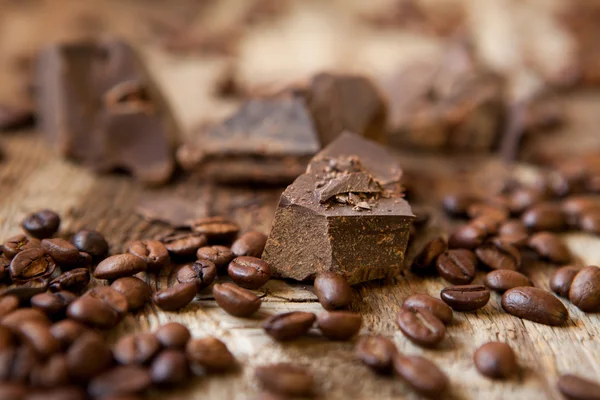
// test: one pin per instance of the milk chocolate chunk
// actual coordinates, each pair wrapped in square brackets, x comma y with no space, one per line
[267,141]
[98,106]
[358,229]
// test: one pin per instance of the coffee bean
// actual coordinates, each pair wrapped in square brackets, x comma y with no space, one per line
[54,304]
[173,335]
[496,360]
[67,331]
[544,217]
[424,262]
[456,204]
[496,211]
[585,289]
[18,243]
[91,242]
[200,272]
[422,375]
[523,198]
[17,363]
[61,251]
[137,348]
[169,368]
[175,297]
[535,305]
[467,237]
[503,279]
[235,300]
[249,244]
[4,265]
[135,290]
[519,241]
[52,373]
[211,354]
[590,222]
[118,266]
[126,379]
[183,244]
[88,356]
[285,379]
[425,302]
[22,315]
[249,272]
[574,387]
[290,325]
[498,254]
[574,207]
[101,307]
[25,291]
[75,280]
[333,291]
[216,229]
[31,263]
[37,335]
[465,297]
[550,247]
[512,227]
[8,304]
[339,325]
[153,252]
[220,255]
[457,266]
[376,352]
[487,223]
[421,327]
[41,224]
[561,279]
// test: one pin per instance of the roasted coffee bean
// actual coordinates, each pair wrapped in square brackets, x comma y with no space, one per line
[8,304]
[183,244]
[290,325]
[200,272]
[18,243]
[561,279]
[465,297]
[425,302]
[523,198]
[574,207]
[37,335]
[285,379]
[519,241]
[220,255]
[136,348]
[424,262]
[376,352]
[118,266]
[534,304]
[25,291]
[544,217]
[496,211]
[590,222]
[503,279]
[249,244]
[173,335]
[91,242]
[136,291]
[125,379]
[41,224]
[20,316]
[457,266]
[17,363]
[153,252]
[498,254]
[169,368]
[101,307]
[574,387]
[175,297]
[52,373]
[61,251]
[585,289]
[31,263]
[54,304]
[211,354]
[467,237]
[333,291]
[456,204]
[422,375]
[235,300]
[75,280]
[67,331]
[512,227]
[249,272]
[88,356]
[4,265]
[216,229]
[487,223]
[421,327]
[550,247]
[496,360]
[339,325]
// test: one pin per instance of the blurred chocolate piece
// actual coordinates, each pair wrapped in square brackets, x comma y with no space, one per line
[97,106]
[347,203]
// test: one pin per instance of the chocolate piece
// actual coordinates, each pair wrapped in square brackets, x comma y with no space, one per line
[346,102]
[266,141]
[357,232]
[97,106]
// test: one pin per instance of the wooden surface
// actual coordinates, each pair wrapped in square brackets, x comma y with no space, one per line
[32,177]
